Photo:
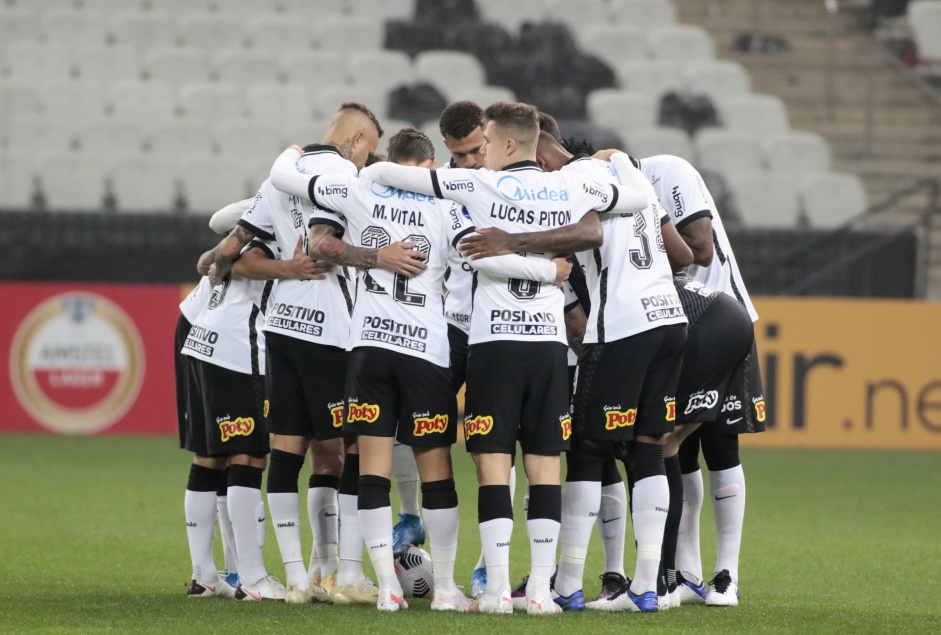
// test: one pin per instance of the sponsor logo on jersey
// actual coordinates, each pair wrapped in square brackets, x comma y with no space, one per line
[477,425]
[217,297]
[663,306]
[699,288]
[336,415]
[297,217]
[241,427]
[615,418]
[759,408]
[430,425]
[459,185]
[296,318]
[591,190]
[513,189]
[732,402]
[702,401]
[76,363]
[200,340]
[266,409]
[387,191]
[566,428]
[362,412]
[678,204]
[671,410]
[332,190]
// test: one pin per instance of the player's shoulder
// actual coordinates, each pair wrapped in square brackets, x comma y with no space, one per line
[325,159]
[664,165]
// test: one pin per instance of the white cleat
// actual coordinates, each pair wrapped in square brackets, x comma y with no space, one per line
[363,592]
[492,603]
[541,604]
[391,600]
[450,600]
[320,588]
[690,593]
[268,588]
[297,595]
[722,590]
[218,588]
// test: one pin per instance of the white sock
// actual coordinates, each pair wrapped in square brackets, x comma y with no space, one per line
[580,502]
[727,488]
[325,520]
[405,475]
[688,558]
[200,510]
[350,571]
[313,567]
[243,507]
[495,536]
[612,524]
[651,501]
[285,516]
[228,538]
[376,525]
[442,526]
[543,540]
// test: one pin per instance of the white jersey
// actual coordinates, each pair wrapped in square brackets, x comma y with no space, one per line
[629,276]
[682,192]
[313,310]
[193,304]
[459,281]
[227,333]
[393,311]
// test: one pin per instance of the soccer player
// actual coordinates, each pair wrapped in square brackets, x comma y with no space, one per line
[635,315]
[683,193]
[516,375]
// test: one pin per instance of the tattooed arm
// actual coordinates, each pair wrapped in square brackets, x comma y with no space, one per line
[228,252]
[575,323]
[322,244]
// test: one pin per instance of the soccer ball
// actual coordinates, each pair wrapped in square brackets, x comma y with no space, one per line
[413,569]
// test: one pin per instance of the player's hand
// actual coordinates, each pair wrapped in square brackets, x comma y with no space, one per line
[402,258]
[205,262]
[301,267]
[488,241]
[604,155]
[213,273]
[563,268]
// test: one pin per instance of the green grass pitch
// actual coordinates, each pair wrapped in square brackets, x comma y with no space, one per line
[92,540]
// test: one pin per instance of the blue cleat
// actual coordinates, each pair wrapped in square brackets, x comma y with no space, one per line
[574,602]
[232,579]
[690,593]
[478,582]
[627,601]
[410,530]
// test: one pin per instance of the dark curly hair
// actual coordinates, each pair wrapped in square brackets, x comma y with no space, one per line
[460,119]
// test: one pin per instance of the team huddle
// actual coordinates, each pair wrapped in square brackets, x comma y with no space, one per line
[590,305]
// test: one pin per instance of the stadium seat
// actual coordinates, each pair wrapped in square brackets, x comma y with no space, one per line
[18,98]
[330,99]
[728,151]
[925,19]
[31,135]
[180,139]
[76,100]
[756,114]
[654,77]
[108,7]
[111,137]
[182,7]
[348,35]
[177,66]
[314,69]
[644,14]
[512,14]
[245,9]
[621,110]
[28,61]
[75,29]
[681,43]
[146,100]
[144,31]
[72,183]
[211,102]
[382,9]
[442,155]
[106,63]
[211,184]
[297,132]
[717,78]
[449,71]
[797,154]
[281,34]
[18,182]
[18,25]
[390,127]
[144,184]
[243,140]
[581,15]
[382,69]
[659,140]
[483,96]
[212,31]
[829,199]
[764,200]
[245,68]
[616,44]
[311,9]
[277,102]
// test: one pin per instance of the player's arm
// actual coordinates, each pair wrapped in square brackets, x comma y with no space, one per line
[228,251]
[225,219]
[679,253]
[698,236]
[287,177]
[519,267]
[490,241]
[323,244]
[411,178]
[259,263]
[575,324]
[205,262]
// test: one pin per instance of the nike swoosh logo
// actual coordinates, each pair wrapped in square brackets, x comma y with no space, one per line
[328,515]
[731,421]
[253,595]
[722,498]
[610,520]
[212,589]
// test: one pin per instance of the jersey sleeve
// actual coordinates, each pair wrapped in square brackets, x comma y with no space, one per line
[457,184]
[259,218]
[268,247]
[403,177]
[459,223]
[517,267]
[682,193]
[286,177]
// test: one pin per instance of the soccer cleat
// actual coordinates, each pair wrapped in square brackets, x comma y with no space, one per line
[492,603]
[297,595]
[478,581]
[363,592]
[218,588]
[320,587]
[390,600]
[722,590]
[611,584]
[268,589]
[688,592]
[232,579]
[541,603]
[453,600]
[628,601]
[574,602]
[518,595]
[410,530]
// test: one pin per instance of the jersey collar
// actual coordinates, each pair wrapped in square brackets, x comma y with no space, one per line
[577,157]
[521,165]
[322,147]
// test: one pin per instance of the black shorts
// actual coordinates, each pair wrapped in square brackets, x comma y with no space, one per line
[457,339]
[392,394]
[743,409]
[306,387]
[715,344]
[181,374]
[627,387]
[226,411]
[517,391]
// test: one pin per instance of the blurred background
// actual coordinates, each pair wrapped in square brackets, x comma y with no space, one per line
[816,124]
